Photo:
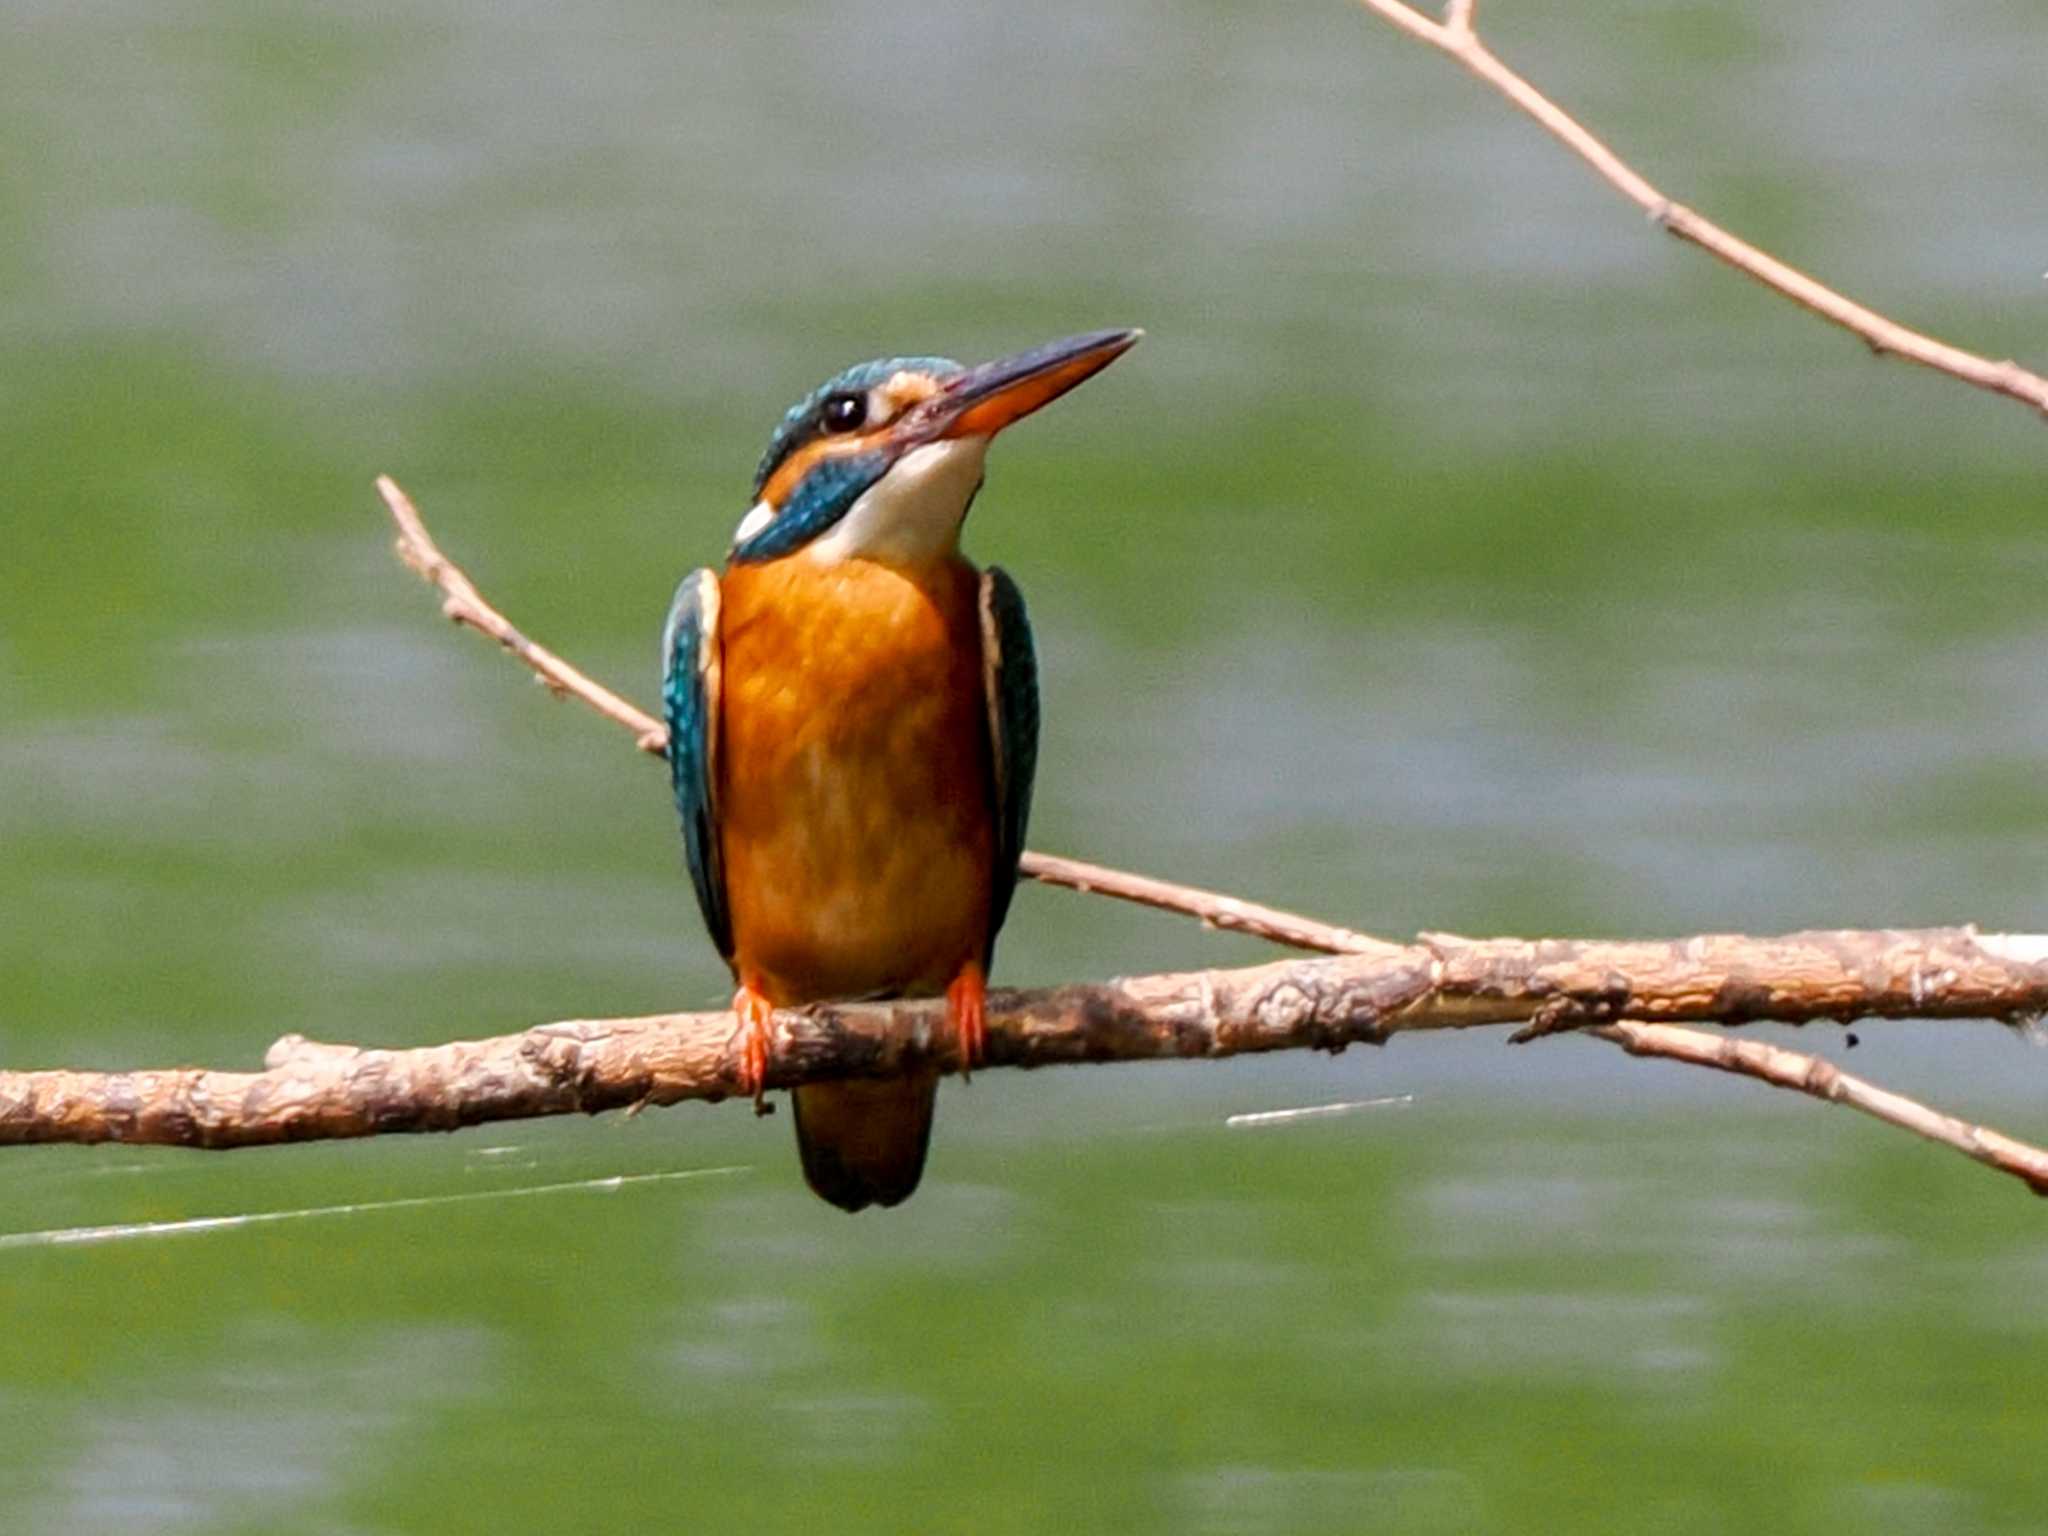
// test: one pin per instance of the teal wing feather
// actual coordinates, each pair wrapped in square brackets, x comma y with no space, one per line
[1009,669]
[690,700]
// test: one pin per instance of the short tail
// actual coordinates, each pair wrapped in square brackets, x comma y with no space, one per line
[863,1142]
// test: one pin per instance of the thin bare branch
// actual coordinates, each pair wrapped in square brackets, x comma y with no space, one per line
[463,603]
[1213,908]
[1456,37]
[1823,1080]
[310,1091]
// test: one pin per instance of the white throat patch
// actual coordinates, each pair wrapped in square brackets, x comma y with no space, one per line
[911,515]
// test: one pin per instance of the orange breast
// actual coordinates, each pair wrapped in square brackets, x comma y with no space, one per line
[854,786]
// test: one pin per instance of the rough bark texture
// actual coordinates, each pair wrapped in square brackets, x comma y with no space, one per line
[312,1091]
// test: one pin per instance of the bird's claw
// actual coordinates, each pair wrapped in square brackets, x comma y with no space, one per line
[756,1015]
[967,1012]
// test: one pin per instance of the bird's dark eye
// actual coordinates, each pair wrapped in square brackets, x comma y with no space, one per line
[844,412]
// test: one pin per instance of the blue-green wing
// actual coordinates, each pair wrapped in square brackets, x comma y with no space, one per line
[1009,670]
[689,696]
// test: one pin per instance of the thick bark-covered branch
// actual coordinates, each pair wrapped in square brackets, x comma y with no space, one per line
[1630,992]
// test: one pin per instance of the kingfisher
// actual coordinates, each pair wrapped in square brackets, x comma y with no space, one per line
[852,713]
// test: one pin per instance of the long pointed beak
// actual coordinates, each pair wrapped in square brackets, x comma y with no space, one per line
[984,400]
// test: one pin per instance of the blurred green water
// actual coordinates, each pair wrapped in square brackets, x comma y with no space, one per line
[1452,554]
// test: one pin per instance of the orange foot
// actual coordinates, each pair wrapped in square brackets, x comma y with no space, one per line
[967,1012]
[755,1013]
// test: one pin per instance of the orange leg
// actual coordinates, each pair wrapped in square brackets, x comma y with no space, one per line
[755,1013]
[967,1012]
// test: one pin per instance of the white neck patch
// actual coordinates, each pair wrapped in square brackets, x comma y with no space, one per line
[912,515]
[758,517]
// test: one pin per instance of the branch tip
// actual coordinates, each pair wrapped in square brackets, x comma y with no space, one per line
[1455,36]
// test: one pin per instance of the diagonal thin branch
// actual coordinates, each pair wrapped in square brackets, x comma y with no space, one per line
[463,604]
[1823,1080]
[1455,36]
[1230,914]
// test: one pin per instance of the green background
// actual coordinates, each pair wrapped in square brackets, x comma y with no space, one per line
[1455,553]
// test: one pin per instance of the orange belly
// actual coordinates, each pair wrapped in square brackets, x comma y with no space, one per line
[854,782]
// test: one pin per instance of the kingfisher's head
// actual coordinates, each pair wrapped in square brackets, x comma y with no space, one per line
[881,462]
